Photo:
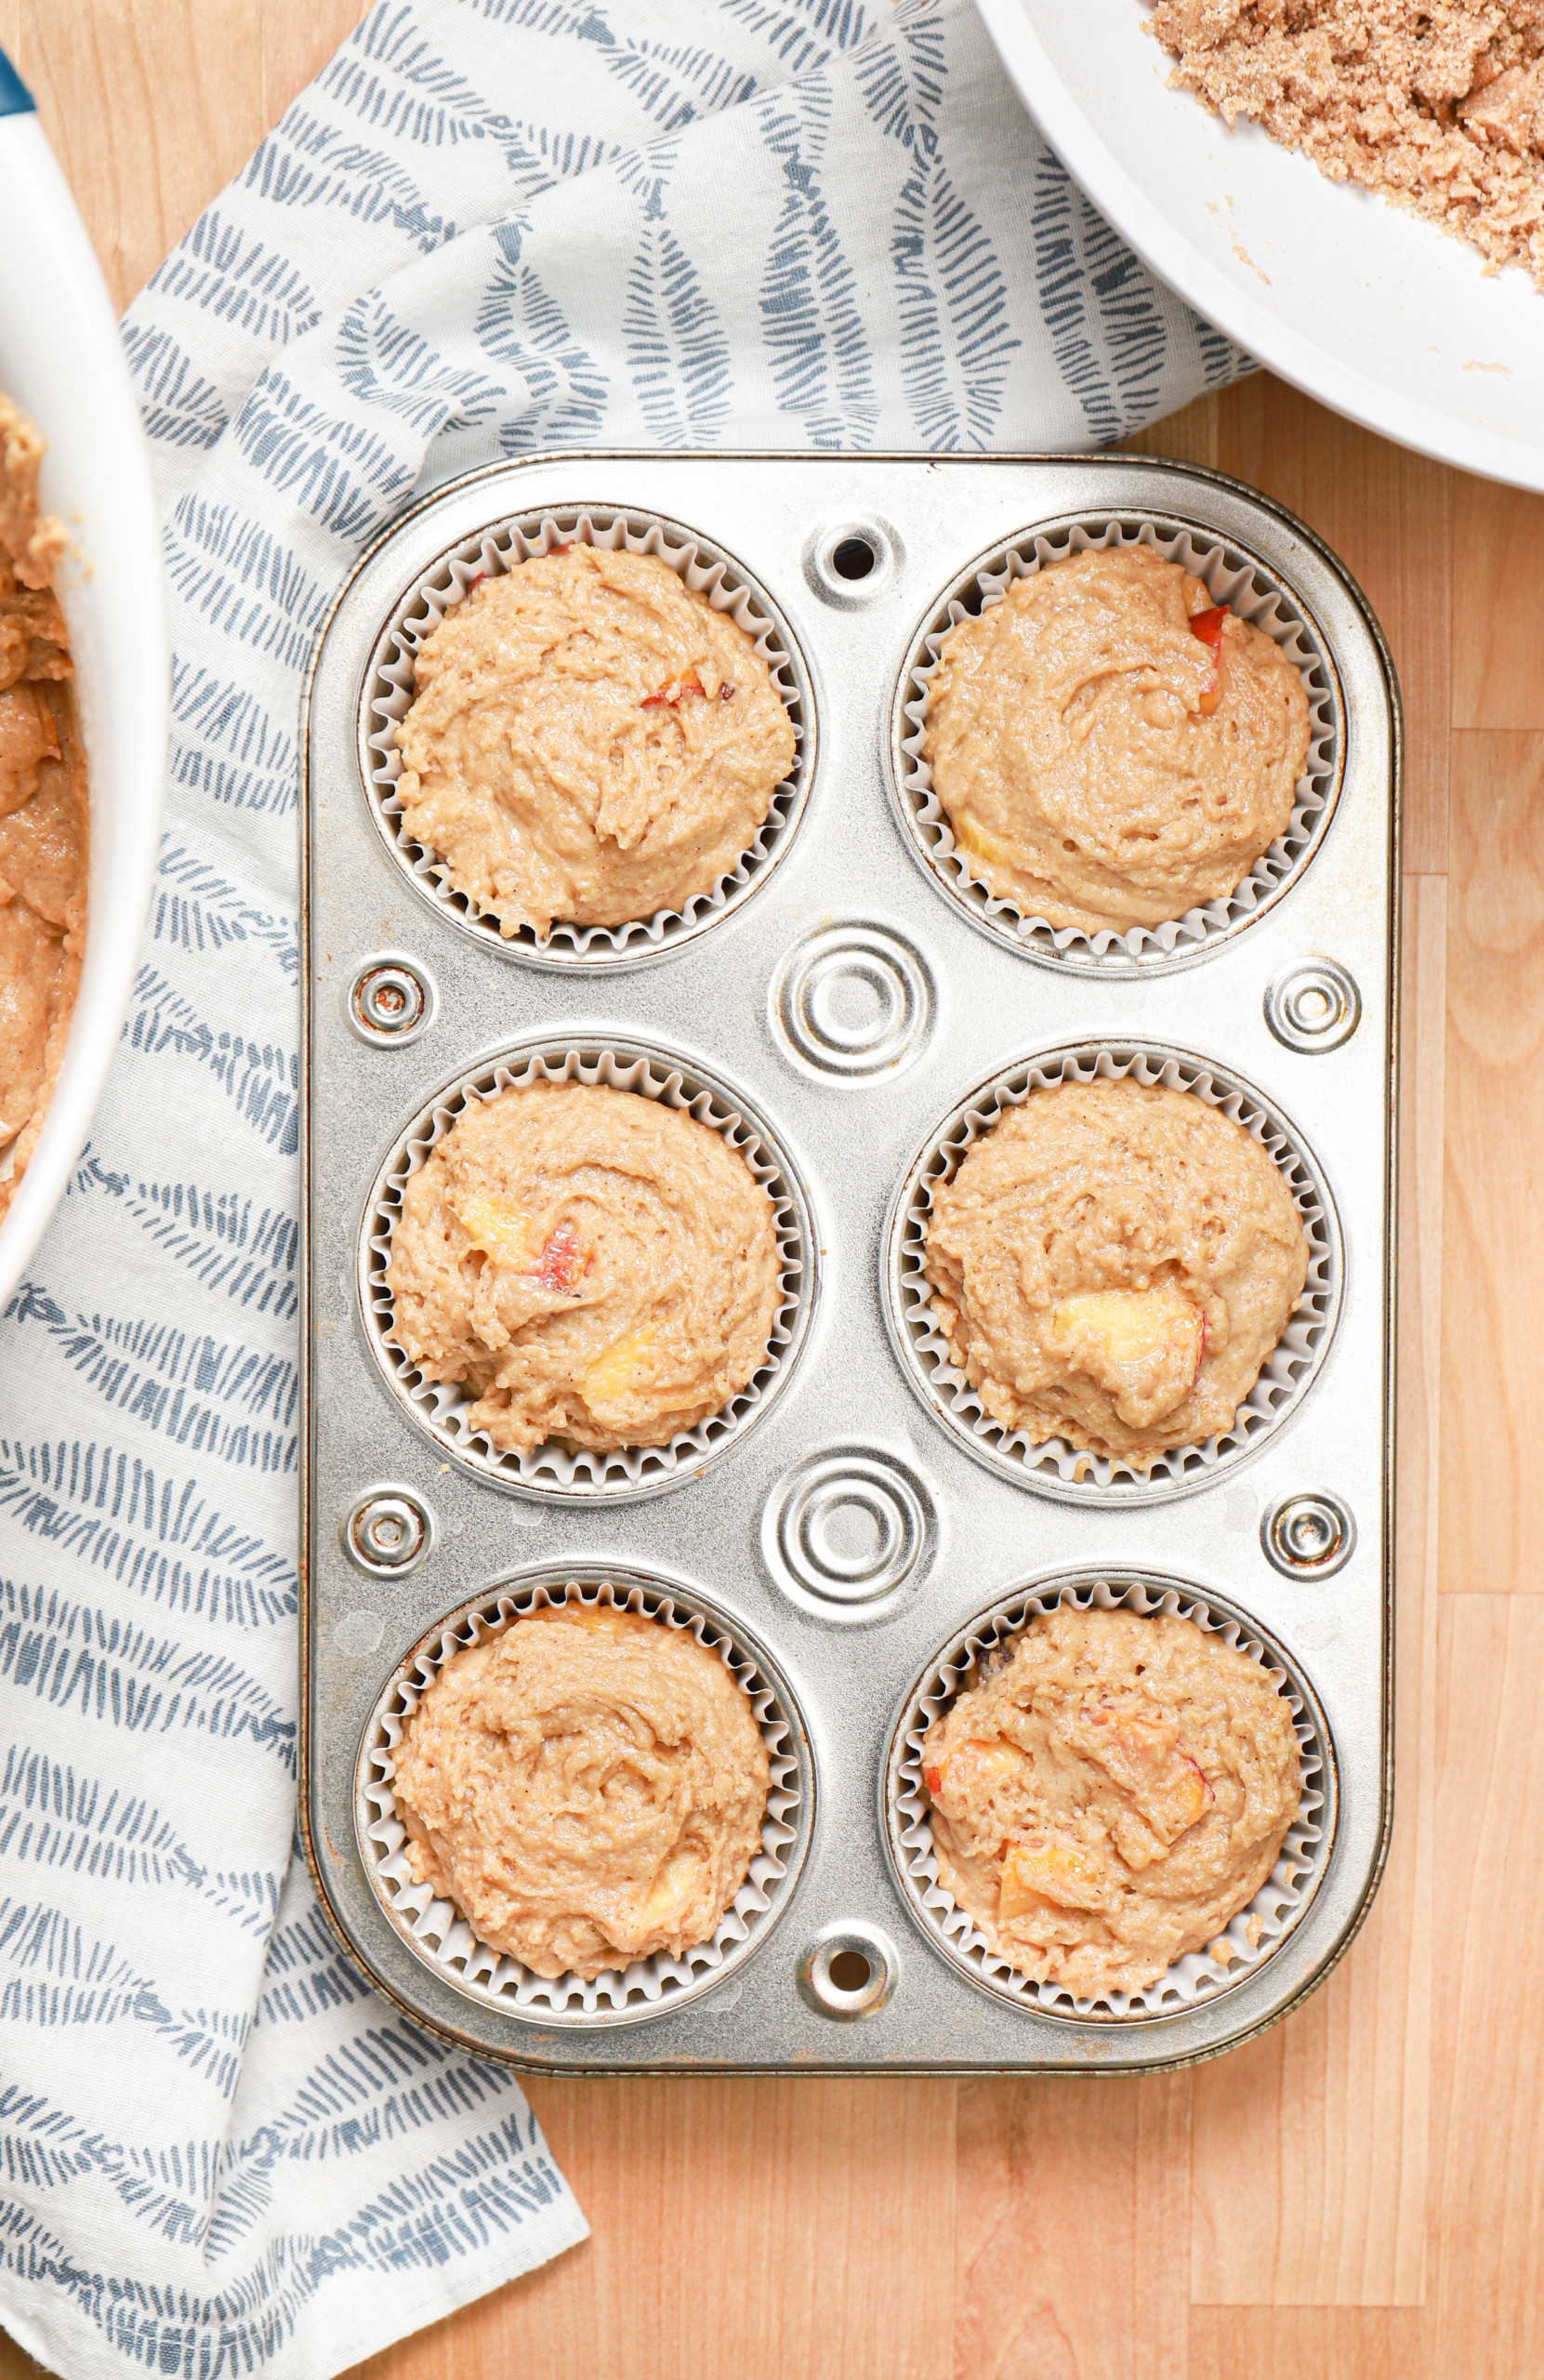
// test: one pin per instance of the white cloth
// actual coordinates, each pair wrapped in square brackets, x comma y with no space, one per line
[490,227]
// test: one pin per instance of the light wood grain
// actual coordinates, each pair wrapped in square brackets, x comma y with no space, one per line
[1488,2209]
[1313,2343]
[1497,607]
[1070,2218]
[1358,2197]
[801,2226]
[297,42]
[151,106]
[1493,1406]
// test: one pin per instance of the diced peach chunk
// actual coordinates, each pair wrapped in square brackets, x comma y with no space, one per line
[1144,1347]
[1050,1871]
[679,689]
[562,1263]
[979,844]
[1131,1324]
[671,1889]
[504,1233]
[1207,625]
[970,1771]
[1142,1757]
[498,1226]
[609,1377]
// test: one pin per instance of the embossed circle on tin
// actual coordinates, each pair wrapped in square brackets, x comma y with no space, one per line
[389,1532]
[1051,1466]
[1235,579]
[387,696]
[1313,1005]
[852,1002]
[1310,1536]
[435,1929]
[390,999]
[845,1530]
[1250,1936]
[442,1409]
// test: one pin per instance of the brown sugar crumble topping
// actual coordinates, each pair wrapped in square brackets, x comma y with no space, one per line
[1439,107]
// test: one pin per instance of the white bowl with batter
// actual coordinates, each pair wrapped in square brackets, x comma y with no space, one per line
[1373,312]
[62,361]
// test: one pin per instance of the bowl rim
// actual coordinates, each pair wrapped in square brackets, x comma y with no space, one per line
[1168,252]
[63,363]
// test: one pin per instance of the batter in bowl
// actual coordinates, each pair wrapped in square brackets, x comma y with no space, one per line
[587,1787]
[589,740]
[593,1265]
[1110,1795]
[1111,748]
[1113,1265]
[43,810]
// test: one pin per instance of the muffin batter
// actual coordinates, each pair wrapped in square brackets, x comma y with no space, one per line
[588,1788]
[589,740]
[1111,748]
[1111,1795]
[42,808]
[593,1265]
[1113,1265]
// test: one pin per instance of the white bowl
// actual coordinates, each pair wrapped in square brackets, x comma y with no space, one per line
[1373,312]
[62,361]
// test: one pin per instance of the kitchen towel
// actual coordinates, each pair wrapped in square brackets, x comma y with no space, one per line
[489,228]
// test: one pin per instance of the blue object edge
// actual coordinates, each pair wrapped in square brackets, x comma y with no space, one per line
[15,98]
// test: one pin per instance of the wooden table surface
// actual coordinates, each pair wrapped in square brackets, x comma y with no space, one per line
[1359,2195]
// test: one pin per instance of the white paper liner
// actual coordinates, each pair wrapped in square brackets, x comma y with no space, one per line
[1234,579]
[1252,1934]
[434,1927]
[387,696]
[1054,1466]
[442,1409]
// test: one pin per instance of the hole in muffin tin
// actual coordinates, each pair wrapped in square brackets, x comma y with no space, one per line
[389,1531]
[1234,577]
[1252,1934]
[1309,1535]
[435,1929]
[1052,1467]
[851,564]
[387,694]
[848,1971]
[392,1000]
[441,1408]
[1314,1006]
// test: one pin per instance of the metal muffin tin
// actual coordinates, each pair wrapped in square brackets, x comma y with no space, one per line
[850,1534]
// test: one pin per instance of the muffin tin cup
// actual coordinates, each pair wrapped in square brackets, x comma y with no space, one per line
[704,567]
[435,1929]
[1234,578]
[1053,1466]
[442,1409]
[1251,1936]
